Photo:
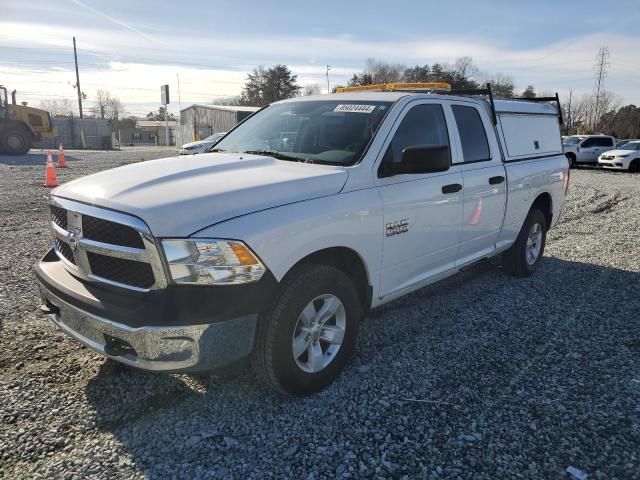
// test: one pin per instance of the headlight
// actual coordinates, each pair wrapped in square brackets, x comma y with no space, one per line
[211,262]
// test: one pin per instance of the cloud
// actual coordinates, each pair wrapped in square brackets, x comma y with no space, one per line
[215,65]
[116,21]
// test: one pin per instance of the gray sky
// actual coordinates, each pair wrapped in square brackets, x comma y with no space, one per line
[131,48]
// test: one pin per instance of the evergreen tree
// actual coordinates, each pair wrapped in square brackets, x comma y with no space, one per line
[268,85]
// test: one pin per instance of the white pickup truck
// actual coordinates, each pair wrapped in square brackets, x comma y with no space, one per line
[312,211]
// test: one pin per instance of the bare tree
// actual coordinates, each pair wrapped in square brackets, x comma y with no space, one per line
[228,101]
[58,107]
[312,89]
[502,85]
[107,106]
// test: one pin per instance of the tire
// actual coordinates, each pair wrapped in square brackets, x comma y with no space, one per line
[308,289]
[524,256]
[15,141]
[634,167]
[572,160]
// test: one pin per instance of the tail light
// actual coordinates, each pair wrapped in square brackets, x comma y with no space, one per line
[565,180]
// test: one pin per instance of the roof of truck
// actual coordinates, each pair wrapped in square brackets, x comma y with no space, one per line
[502,106]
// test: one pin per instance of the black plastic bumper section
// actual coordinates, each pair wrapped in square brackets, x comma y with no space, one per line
[173,305]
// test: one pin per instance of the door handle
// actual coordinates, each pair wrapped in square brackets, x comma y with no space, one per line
[496,180]
[452,188]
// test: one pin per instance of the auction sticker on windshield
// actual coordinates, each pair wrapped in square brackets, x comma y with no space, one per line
[355,108]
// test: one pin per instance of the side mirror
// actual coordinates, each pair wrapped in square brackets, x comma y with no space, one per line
[421,159]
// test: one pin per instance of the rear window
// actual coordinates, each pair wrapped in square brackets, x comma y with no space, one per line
[475,147]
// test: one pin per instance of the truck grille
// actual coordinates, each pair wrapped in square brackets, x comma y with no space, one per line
[109,232]
[105,246]
[130,272]
[65,250]
[59,216]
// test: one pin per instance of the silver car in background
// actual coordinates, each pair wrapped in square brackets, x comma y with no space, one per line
[200,146]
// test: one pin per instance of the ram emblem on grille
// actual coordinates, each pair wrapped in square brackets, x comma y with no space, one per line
[72,239]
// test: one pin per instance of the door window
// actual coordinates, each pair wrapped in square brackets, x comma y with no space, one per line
[422,125]
[475,146]
[604,142]
[597,142]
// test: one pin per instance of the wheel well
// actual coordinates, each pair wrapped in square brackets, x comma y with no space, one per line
[347,261]
[570,155]
[545,204]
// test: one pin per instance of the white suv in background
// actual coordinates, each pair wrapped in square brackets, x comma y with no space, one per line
[585,149]
[625,157]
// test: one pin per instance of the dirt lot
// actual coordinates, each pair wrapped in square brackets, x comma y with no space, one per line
[480,376]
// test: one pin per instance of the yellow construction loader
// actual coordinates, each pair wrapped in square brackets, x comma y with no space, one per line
[20,125]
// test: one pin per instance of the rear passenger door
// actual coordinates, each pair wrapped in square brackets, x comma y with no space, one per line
[484,182]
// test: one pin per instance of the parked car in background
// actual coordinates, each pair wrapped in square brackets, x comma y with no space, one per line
[585,149]
[625,157]
[200,146]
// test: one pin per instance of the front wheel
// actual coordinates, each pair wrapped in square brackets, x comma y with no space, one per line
[523,258]
[307,337]
[634,167]
[572,160]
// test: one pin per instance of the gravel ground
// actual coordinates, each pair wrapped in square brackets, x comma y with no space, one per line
[481,376]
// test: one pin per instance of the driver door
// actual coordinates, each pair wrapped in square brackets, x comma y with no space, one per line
[422,212]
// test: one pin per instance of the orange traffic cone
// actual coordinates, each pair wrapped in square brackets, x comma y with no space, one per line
[50,179]
[61,163]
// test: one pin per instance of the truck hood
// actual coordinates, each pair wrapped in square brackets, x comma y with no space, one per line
[180,195]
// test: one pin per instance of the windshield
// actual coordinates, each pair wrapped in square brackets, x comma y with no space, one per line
[630,146]
[329,132]
[573,140]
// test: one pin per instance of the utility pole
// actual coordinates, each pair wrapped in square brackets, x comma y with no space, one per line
[328,68]
[569,114]
[164,94]
[75,56]
[178,127]
[601,66]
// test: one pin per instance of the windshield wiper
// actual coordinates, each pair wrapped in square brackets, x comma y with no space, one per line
[278,155]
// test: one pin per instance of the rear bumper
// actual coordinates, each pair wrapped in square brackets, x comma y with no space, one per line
[175,329]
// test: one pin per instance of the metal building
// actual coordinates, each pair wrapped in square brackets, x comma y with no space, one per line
[200,121]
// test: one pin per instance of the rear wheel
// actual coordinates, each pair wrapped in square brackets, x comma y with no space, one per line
[523,258]
[572,159]
[306,339]
[15,141]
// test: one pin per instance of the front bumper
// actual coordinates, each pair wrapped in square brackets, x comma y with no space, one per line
[615,164]
[175,329]
[190,348]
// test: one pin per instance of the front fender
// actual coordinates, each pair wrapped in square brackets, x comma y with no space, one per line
[282,236]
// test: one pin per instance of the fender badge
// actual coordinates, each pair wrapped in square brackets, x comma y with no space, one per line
[395,228]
